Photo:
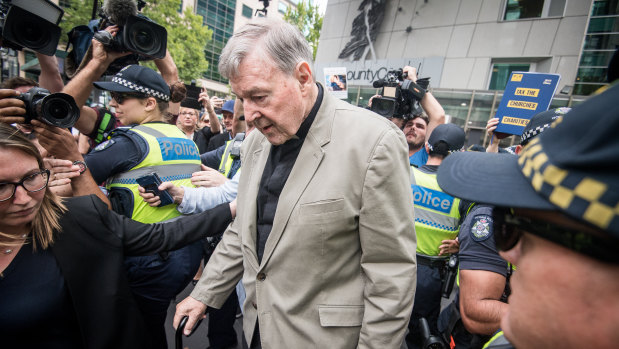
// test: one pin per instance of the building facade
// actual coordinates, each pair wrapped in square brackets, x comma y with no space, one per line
[223,17]
[468,48]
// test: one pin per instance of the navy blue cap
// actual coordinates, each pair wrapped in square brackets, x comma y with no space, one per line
[228,106]
[451,134]
[540,122]
[136,78]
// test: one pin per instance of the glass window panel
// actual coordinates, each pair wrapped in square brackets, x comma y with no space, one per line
[593,58]
[501,73]
[603,25]
[585,89]
[591,75]
[364,96]
[481,111]
[455,104]
[247,11]
[601,41]
[607,7]
[518,9]
[558,102]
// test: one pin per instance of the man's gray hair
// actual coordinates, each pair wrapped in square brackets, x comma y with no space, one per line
[282,43]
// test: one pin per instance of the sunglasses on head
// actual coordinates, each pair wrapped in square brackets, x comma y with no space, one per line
[121,97]
[508,229]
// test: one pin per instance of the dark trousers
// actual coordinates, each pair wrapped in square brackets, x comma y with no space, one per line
[156,280]
[427,304]
[221,333]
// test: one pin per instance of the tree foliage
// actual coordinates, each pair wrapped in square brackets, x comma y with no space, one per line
[309,21]
[79,13]
[187,37]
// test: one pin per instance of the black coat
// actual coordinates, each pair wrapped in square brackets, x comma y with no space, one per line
[90,251]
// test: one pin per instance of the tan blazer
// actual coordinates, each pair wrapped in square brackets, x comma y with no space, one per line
[339,269]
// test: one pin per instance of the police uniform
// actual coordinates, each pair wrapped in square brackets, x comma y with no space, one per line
[436,218]
[477,252]
[132,152]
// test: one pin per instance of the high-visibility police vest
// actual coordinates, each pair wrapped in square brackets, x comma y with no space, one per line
[498,341]
[231,153]
[436,213]
[171,155]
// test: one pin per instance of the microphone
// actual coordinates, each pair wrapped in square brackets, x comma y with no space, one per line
[119,10]
[378,83]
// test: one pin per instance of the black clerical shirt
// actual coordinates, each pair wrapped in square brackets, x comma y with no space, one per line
[276,171]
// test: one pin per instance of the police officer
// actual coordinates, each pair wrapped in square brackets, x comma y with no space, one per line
[436,224]
[484,276]
[147,144]
[556,219]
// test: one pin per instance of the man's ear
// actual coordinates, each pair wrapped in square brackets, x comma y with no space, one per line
[427,145]
[303,74]
[518,149]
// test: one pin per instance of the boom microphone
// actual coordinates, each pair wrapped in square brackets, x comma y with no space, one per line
[119,10]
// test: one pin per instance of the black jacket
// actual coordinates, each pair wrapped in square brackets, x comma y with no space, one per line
[90,251]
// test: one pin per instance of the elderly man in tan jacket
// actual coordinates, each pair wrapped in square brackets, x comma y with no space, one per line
[324,238]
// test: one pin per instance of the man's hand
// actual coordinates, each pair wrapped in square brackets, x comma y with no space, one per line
[192,308]
[59,142]
[493,146]
[61,172]
[411,73]
[101,54]
[371,98]
[11,109]
[449,247]
[208,178]
[154,201]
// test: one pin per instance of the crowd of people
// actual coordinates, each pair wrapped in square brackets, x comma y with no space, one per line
[325,224]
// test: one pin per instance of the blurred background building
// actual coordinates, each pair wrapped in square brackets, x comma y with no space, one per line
[469,48]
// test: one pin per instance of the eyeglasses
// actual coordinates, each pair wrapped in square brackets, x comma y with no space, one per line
[121,97]
[508,229]
[32,183]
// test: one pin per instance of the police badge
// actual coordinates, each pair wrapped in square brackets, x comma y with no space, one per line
[482,227]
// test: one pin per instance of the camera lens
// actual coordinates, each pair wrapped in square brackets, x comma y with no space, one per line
[32,34]
[60,110]
[383,106]
[144,38]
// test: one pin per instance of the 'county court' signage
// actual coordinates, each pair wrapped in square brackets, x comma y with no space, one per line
[365,72]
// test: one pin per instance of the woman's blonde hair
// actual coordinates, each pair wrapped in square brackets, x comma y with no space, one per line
[46,221]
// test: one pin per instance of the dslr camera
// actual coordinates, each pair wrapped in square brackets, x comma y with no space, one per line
[137,33]
[30,23]
[399,97]
[56,109]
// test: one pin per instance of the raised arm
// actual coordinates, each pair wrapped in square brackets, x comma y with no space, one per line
[169,73]
[81,85]
[209,104]
[436,113]
[50,78]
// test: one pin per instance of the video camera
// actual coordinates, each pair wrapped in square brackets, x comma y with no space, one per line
[400,97]
[137,33]
[56,109]
[30,23]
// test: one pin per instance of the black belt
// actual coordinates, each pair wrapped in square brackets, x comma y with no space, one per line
[434,262]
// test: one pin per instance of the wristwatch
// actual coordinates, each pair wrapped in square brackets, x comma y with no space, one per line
[82,165]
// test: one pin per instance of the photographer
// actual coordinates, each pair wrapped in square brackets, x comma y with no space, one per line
[418,129]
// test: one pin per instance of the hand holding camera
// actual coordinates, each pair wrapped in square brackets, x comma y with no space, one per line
[56,109]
